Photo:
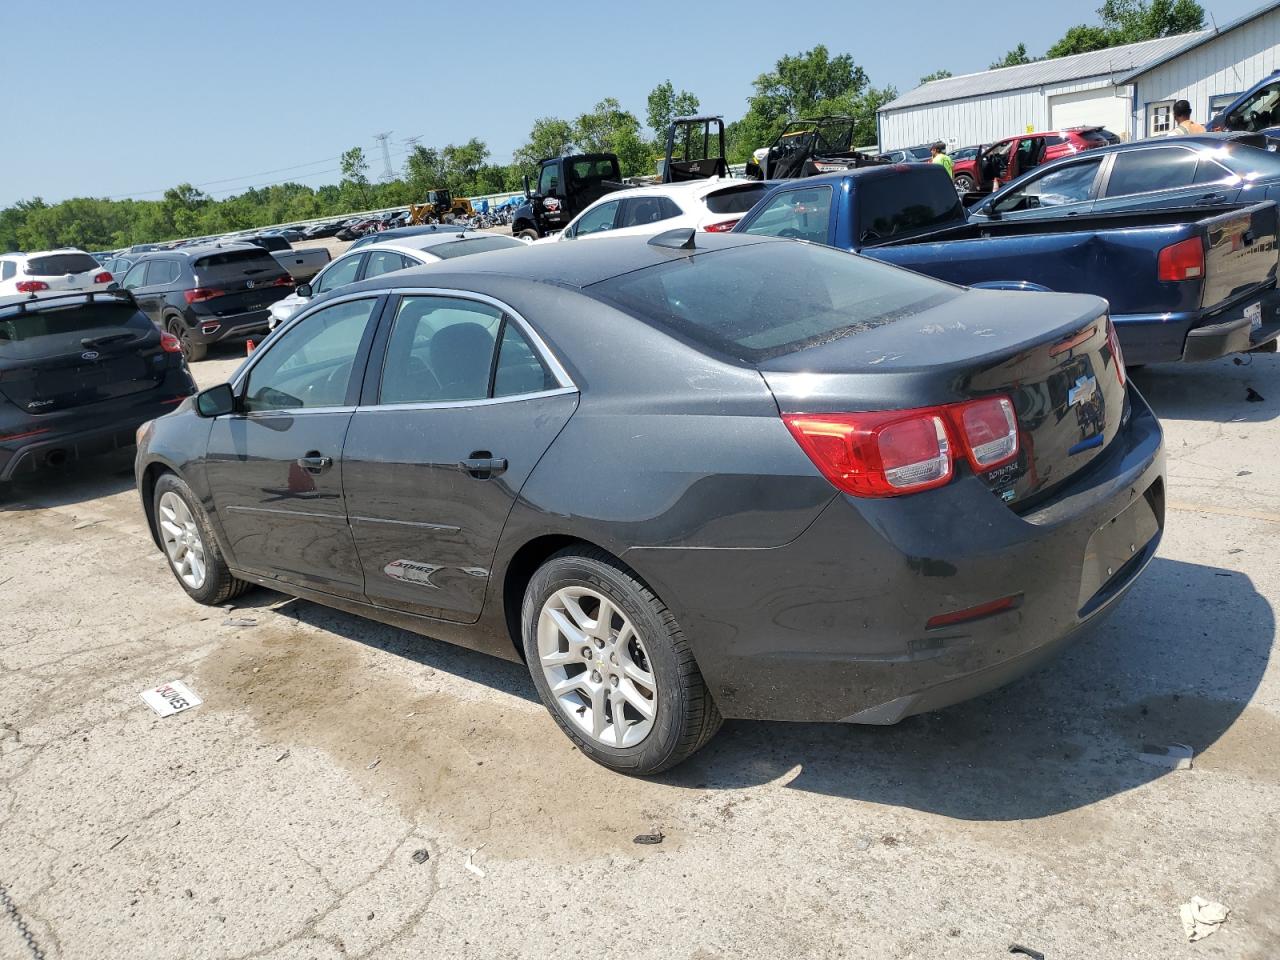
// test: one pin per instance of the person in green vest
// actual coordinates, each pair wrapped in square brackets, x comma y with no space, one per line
[939,154]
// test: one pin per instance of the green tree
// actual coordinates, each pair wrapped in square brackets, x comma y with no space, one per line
[936,75]
[1014,58]
[1131,21]
[355,170]
[461,164]
[664,105]
[550,137]
[1082,38]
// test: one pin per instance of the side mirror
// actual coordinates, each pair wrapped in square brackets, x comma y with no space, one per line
[216,401]
[303,290]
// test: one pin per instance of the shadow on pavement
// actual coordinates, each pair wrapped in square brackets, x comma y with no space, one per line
[1163,668]
[77,482]
[1215,391]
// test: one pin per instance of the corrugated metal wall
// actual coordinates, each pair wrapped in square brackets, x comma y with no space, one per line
[1228,64]
[977,119]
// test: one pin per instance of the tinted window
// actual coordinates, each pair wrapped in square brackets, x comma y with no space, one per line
[1072,183]
[273,242]
[1210,171]
[383,261]
[311,364]
[339,274]
[49,332]
[464,248]
[7,270]
[232,265]
[520,369]
[642,211]
[548,181]
[161,271]
[134,278]
[57,264]
[440,349]
[906,202]
[1053,140]
[1260,110]
[1142,171]
[802,214]
[601,218]
[737,200]
[593,170]
[770,299]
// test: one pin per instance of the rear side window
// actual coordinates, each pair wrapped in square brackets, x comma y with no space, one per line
[440,350]
[161,271]
[738,200]
[642,211]
[769,299]
[62,329]
[57,264]
[799,214]
[906,202]
[8,269]
[1144,171]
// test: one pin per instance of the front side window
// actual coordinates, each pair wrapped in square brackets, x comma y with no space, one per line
[801,214]
[312,362]
[1072,183]
[1259,111]
[548,181]
[1145,171]
[339,274]
[597,219]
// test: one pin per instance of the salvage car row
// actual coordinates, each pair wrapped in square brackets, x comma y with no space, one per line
[685,473]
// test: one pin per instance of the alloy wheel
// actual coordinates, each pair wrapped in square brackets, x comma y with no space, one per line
[596,667]
[183,543]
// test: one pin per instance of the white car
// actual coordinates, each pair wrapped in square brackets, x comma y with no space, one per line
[376,259]
[714,205]
[48,273]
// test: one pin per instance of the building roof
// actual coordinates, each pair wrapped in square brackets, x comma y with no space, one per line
[1199,39]
[1098,63]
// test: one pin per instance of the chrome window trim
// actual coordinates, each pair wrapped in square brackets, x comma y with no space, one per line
[453,404]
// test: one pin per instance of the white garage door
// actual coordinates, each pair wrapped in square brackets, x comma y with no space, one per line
[1091,108]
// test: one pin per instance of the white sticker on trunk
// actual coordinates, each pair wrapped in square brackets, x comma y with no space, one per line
[170,698]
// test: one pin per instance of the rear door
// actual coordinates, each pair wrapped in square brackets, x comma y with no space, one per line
[160,276]
[1165,176]
[274,467]
[462,406]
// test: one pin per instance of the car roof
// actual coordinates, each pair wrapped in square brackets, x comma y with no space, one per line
[562,264]
[43,253]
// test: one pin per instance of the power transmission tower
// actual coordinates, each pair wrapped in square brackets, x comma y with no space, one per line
[387,173]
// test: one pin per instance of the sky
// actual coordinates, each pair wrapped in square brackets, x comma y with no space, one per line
[234,94]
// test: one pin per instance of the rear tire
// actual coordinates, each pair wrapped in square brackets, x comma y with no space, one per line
[194,556]
[527,234]
[627,691]
[192,350]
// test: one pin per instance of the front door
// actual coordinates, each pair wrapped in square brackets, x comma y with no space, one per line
[463,409]
[275,466]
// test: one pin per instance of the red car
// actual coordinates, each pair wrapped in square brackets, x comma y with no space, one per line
[1011,158]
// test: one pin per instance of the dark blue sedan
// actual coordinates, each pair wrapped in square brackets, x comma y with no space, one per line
[1172,172]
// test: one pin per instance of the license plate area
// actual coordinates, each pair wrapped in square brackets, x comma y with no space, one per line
[1254,312]
[1114,546]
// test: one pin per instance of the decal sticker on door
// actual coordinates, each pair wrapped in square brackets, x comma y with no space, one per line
[410,571]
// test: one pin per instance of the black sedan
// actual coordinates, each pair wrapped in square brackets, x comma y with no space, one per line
[684,478]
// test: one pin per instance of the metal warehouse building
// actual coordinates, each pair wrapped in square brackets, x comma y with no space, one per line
[1129,89]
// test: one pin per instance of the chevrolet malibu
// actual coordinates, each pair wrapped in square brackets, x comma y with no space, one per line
[682,478]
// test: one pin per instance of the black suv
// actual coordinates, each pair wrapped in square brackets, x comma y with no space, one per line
[79,373]
[203,295]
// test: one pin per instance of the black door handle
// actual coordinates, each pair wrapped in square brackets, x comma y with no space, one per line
[314,463]
[482,465]
[1210,198]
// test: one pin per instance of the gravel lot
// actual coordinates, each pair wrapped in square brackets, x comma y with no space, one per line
[280,818]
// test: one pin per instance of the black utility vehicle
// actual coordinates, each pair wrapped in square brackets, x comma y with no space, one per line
[204,295]
[566,187]
[79,372]
[807,147]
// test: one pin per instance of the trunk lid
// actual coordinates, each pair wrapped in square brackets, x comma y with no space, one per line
[1050,354]
[1240,254]
[60,356]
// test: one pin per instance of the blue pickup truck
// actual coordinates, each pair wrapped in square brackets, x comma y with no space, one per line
[1183,284]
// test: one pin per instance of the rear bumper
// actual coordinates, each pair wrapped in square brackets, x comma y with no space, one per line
[213,329]
[77,434]
[1190,337]
[832,626]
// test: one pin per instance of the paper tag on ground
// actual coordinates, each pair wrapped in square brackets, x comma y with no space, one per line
[170,698]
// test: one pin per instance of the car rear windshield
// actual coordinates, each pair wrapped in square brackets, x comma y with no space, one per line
[54,330]
[909,201]
[57,264]
[1099,137]
[736,200]
[766,300]
[462,248]
[273,242]
[236,263]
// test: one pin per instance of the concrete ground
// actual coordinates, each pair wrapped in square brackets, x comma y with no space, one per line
[280,818]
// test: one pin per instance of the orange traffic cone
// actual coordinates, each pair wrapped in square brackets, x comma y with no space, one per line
[248,347]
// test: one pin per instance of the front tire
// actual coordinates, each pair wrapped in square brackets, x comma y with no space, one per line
[965,184]
[612,665]
[182,528]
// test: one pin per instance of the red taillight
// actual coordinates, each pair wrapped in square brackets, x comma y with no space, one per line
[1117,358]
[285,281]
[25,435]
[889,453]
[103,277]
[201,294]
[724,226]
[169,343]
[31,286]
[973,613]
[1182,261]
